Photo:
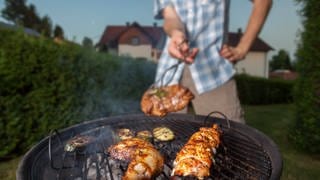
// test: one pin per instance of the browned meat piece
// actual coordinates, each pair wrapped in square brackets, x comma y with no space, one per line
[160,101]
[145,161]
[191,167]
[124,150]
[78,142]
[195,157]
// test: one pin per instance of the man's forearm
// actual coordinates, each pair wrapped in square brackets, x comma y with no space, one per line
[175,29]
[257,18]
[172,23]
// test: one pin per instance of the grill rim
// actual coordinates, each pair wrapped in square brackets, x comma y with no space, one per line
[24,169]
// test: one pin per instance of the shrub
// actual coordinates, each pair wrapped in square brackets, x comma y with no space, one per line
[43,86]
[46,86]
[255,90]
[306,133]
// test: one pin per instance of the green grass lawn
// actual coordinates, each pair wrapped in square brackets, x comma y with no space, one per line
[8,169]
[274,121]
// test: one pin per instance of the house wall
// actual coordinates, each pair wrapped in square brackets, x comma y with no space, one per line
[135,51]
[254,64]
[140,49]
[126,38]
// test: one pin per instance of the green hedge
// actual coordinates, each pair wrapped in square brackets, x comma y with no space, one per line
[257,91]
[306,131]
[46,86]
[34,87]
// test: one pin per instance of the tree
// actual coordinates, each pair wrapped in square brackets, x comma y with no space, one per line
[58,32]
[281,61]
[19,13]
[14,11]
[306,133]
[46,26]
[87,42]
[31,18]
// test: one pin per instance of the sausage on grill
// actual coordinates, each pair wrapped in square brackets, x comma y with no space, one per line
[145,161]
[196,156]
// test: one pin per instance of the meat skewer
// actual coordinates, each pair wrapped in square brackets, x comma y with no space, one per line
[196,156]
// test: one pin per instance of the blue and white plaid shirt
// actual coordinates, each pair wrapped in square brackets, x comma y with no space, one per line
[205,22]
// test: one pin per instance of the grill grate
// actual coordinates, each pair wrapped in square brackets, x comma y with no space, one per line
[243,154]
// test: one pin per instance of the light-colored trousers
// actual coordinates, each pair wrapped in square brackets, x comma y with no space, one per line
[223,99]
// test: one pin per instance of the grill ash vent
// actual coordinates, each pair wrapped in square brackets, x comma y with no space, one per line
[245,153]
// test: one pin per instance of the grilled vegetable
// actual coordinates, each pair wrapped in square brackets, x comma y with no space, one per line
[163,134]
[145,135]
[125,133]
[78,142]
[196,156]
[145,162]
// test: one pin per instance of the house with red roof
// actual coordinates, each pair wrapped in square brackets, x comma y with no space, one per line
[147,42]
[133,40]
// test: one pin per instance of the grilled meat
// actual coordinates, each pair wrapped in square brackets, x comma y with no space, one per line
[125,149]
[196,156]
[78,142]
[144,160]
[162,100]
[146,164]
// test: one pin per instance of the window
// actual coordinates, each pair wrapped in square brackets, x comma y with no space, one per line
[135,41]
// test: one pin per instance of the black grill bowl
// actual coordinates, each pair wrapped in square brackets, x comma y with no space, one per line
[245,153]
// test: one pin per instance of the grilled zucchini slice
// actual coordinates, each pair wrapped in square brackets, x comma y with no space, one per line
[145,135]
[125,133]
[163,134]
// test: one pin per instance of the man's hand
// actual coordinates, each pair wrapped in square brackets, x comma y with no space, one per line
[260,10]
[179,48]
[233,54]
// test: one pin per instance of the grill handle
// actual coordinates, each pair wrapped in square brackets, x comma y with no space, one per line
[50,146]
[219,113]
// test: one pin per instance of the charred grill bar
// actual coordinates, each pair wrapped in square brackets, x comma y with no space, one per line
[245,153]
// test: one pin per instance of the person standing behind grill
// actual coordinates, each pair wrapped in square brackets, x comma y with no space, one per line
[196,31]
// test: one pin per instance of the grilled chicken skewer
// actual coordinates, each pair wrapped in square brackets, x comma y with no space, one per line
[145,162]
[196,156]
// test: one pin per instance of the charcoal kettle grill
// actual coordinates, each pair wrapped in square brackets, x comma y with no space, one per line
[245,153]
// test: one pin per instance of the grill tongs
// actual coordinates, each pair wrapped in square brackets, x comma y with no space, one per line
[173,67]
[162,98]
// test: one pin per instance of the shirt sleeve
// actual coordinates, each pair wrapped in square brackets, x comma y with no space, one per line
[159,5]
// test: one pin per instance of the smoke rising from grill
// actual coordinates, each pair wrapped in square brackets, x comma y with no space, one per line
[117,92]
